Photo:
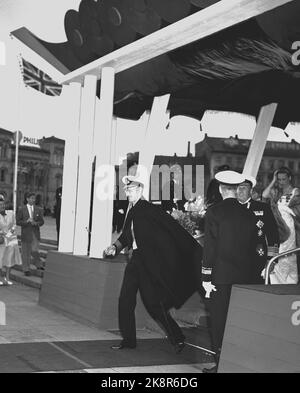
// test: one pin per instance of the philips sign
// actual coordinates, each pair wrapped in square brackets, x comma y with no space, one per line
[30,141]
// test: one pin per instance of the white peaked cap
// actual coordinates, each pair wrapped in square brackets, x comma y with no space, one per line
[230,177]
[131,180]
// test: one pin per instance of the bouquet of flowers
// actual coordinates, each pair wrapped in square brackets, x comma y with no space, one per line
[192,219]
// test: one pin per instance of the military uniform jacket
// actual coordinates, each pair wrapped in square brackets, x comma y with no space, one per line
[266,228]
[229,244]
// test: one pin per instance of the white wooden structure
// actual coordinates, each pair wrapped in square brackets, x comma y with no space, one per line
[91,126]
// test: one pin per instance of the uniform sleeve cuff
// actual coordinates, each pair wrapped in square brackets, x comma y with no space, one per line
[206,274]
[118,246]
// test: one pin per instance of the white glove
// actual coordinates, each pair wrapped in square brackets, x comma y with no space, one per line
[110,251]
[209,287]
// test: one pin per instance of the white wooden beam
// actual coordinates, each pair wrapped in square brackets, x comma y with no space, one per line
[105,149]
[71,97]
[210,20]
[86,132]
[203,23]
[259,140]
[157,123]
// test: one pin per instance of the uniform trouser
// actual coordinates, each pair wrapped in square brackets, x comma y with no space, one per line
[28,249]
[127,303]
[218,308]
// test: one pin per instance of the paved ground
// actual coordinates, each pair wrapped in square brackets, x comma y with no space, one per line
[27,322]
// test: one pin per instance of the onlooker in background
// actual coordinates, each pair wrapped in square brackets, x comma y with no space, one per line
[267,240]
[57,210]
[285,202]
[9,249]
[30,218]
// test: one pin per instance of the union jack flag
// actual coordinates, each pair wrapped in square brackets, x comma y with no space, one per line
[38,80]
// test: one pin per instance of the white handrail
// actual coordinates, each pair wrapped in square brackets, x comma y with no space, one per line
[267,273]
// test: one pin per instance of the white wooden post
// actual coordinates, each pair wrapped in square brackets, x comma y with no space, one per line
[157,123]
[259,140]
[71,95]
[105,148]
[86,132]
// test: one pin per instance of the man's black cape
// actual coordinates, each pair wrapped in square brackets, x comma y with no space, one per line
[170,258]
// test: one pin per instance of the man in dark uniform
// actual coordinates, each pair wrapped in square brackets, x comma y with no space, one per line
[267,240]
[164,267]
[229,246]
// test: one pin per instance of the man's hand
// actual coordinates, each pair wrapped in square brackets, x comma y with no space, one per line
[209,287]
[110,251]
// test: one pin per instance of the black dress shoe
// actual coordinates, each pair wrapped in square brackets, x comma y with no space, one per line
[179,347]
[122,346]
[210,370]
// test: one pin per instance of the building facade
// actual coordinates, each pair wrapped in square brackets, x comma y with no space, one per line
[186,173]
[233,152]
[40,169]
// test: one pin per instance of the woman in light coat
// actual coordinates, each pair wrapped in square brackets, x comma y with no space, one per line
[9,249]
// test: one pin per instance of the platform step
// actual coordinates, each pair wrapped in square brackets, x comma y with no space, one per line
[31,281]
[34,271]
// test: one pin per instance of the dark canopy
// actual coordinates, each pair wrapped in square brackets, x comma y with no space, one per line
[239,69]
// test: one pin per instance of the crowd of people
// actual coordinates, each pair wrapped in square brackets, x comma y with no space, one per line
[241,235]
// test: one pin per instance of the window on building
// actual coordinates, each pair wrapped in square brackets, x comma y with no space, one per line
[291,165]
[2,175]
[229,160]
[58,180]
[271,165]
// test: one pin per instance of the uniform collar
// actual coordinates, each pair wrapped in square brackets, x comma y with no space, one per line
[246,202]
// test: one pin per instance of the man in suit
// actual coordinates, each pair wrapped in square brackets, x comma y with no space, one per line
[163,266]
[30,218]
[267,239]
[229,248]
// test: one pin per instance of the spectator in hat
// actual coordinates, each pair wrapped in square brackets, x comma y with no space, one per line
[30,218]
[267,240]
[163,266]
[229,248]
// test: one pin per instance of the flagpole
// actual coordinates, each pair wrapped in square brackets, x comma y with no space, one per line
[17,134]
